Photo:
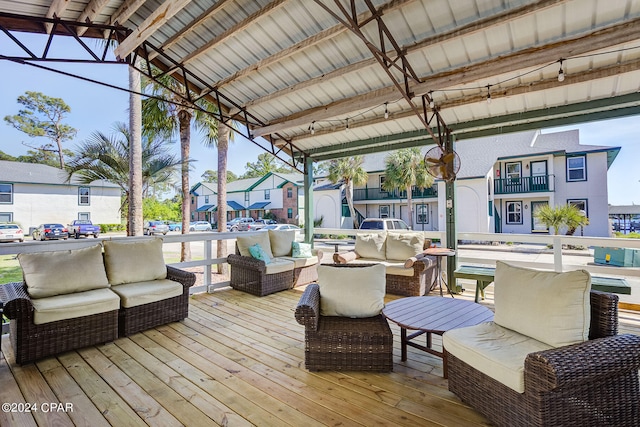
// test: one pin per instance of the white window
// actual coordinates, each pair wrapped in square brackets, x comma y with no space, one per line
[514,212]
[384,211]
[577,168]
[6,217]
[514,170]
[580,204]
[83,196]
[267,194]
[206,199]
[422,214]
[84,216]
[6,193]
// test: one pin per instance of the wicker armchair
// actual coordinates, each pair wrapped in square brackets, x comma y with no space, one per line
[146,316]
[343,343]
[594,383]
[31,342]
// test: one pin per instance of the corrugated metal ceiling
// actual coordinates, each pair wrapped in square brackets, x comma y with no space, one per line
[294,66]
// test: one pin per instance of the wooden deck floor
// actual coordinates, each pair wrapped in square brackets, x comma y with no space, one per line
[237,360]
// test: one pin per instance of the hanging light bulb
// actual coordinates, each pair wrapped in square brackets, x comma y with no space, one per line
[312,127]
[386,110]
[432,103]
[347,128]
[488,94]
[561,73]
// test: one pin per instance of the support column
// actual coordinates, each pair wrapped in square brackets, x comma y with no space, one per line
[450,218]
[308,200]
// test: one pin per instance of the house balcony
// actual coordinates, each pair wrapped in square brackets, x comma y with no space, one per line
[364,194]
[525,184]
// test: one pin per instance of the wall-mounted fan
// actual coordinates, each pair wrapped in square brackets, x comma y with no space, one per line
[442,164]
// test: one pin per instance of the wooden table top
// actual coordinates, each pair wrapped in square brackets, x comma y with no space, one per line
[436,314]
[440,252]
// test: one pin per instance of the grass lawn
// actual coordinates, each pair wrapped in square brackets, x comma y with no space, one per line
[9,269]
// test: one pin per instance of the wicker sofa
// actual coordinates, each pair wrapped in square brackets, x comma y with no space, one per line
[58,308]
[337,336]
[409,272]
[593,382]
[282,271]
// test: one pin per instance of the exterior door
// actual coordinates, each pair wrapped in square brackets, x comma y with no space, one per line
[536,225]
[539,176]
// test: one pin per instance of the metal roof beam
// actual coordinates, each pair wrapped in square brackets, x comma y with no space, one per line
[464,30]
[533,56]
[150,25]
[521,89]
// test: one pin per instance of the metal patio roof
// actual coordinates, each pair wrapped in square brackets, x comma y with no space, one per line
[297,75]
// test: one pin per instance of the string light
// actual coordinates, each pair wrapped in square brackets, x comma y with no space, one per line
[312,127]
[561,72]
[432,103]
[347,128]
[386,110]
[488,94]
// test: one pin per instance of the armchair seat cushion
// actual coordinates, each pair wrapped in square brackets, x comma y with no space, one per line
[496,351]
[71,306]
[279,265]
[134,294]
[301,262]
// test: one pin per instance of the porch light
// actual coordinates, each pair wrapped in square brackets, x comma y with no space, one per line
[561,73]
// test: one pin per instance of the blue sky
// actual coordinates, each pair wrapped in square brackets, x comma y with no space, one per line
[97,108]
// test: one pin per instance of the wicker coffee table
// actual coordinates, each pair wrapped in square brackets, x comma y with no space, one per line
[433,315]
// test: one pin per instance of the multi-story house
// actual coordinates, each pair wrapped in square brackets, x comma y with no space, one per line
[501,182]
[32,194]
[281,194]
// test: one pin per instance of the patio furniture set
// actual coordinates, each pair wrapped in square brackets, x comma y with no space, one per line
[550,356]
[77,298]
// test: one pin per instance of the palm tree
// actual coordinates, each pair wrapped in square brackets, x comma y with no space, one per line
[574,218]
[166,114]
[404,169]
[107,158]
[135,223]
[349,171]
[551,217]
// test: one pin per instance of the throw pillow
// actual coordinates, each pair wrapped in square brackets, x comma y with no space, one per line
[250,239]
[130,261]
[301,250]
[257,252]
[551,307]
[48,274]
[281,241]
[356,291]
[401,246]
[371,245]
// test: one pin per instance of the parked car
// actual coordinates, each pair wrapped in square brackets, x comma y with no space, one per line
[282,227]
[155,227]
[200,226]
[175,226]
[50,231]
[83,227]
[234,224]
[258,224]
[11,233]
[383,224]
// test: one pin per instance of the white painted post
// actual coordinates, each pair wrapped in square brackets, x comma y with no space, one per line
[207,266]
[557,253]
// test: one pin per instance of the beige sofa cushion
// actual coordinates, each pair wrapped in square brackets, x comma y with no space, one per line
[401,246]
[371,245]
[550,307]
[279,265]
[130,261]
[301,262]
[397,268]
[247,240]
[70,306]
[493,350]
[47,274]
[139,293]
[281,241]
[351,291]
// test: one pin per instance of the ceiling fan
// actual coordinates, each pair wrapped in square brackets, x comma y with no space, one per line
[442,164]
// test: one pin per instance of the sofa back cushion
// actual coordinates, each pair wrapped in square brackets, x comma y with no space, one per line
[551,307]
[371,245]
[351,291]
[281,241]
[247,240]
[404,245]
[48,274]
[130,261]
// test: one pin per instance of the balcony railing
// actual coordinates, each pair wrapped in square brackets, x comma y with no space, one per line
[380,194]
[525,184]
